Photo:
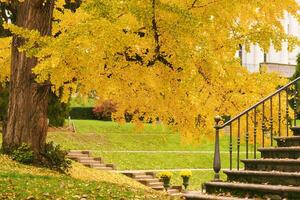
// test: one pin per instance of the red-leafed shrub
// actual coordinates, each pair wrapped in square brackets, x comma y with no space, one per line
[105,110]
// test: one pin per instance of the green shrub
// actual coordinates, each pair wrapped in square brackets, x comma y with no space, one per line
[82,113]
[23,154]
[3,102]
[55,158]
[57,111]
[292,91]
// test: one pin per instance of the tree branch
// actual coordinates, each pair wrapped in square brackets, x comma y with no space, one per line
[201,6]
[155,28]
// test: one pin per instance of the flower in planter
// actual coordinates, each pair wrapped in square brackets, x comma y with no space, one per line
[165,177]
[185,175]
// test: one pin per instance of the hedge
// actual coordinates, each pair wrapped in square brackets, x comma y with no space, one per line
[82,113]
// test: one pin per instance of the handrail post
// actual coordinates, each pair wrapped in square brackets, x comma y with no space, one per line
[217,158]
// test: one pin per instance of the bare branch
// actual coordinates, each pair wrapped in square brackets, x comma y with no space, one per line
[155,28]
[201,6]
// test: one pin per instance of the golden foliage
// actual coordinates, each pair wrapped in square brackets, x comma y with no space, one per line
[167,59]
[4,58]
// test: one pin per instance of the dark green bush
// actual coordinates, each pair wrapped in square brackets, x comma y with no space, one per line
[23,154]
[292,91]
[82,113]
[57,111]
[3,102]
[55,158]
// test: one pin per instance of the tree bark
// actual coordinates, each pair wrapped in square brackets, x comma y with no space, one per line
[28,100]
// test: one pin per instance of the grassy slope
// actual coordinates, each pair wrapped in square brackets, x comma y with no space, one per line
[21,182]
[109,136]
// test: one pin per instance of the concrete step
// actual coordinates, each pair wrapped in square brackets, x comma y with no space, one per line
[154,184]
[147,180]
[254,190]
[201,196]
[280,152]
[90,163]
[160,188]
[142,176]
[288,141]
[175,194]
[79,151]
[113,166]
[173,191]
[283,165]
[134,174]
[93,165]
[264,177]
[85,159]
[77,155]
[104,168]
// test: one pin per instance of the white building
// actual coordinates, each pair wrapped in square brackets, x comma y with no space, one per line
[282,61]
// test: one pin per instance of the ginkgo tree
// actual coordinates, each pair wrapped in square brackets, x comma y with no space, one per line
[171,60]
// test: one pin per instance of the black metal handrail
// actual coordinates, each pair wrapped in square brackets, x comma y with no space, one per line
[262,102]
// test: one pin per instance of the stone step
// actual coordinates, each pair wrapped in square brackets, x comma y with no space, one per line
[147,180]
[111,166]
[201,196]
[134,174]
[79,151]
[89,162]
[104,168]
[154,184]
[85,159]
[178,194]
[93,165]
[77,155]
[254,190]
[296,130]
[288,141]
[142,176]
[160,188]
[151,174]
[177,187]
[261,177]
[283,165]
[280,152]
[173,191]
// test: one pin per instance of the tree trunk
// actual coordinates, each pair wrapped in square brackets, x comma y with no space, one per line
[28,100]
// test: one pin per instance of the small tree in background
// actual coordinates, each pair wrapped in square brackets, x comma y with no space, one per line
[57,111]
[297,72]
[104,111]
[296,75]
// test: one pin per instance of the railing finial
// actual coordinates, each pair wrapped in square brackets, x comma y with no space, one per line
[217,120]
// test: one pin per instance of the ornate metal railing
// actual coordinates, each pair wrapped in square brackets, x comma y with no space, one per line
[283,97]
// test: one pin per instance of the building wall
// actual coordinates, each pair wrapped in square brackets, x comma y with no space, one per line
[251,60]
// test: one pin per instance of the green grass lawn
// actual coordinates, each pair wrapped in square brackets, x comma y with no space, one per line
[19,181]
[104,138]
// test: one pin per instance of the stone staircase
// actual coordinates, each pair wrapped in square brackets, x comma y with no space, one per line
[149,179]
[85,158]
[275,176]
[146,178]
